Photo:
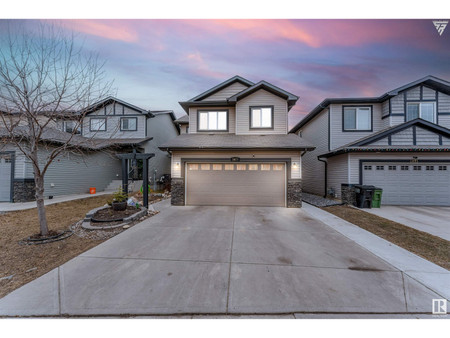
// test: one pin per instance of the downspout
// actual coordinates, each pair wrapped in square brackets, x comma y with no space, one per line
[326,175]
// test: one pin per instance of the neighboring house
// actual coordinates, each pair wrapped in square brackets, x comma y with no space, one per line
[237,150]
[183,124]
[109,127]
[399,141]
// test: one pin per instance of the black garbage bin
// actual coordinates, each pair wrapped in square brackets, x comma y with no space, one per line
[364,195]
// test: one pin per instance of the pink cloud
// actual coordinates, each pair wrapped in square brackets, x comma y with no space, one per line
[200,67]
[120,30]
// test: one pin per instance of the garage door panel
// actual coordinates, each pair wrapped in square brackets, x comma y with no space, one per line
[236,187]
[410,187]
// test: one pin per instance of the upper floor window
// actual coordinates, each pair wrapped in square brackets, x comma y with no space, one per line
[261,117]
[97,124]
[71,127]
[213,120]
[357,119]
[423,110]
[128,123]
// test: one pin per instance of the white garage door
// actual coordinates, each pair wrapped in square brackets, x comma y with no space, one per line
[5,177]
[410,183]
[253,184]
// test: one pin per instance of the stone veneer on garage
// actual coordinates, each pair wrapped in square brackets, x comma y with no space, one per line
[294,193]
[348,194]
[24,190]
[177,191]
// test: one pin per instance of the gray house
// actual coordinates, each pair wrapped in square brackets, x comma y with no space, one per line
[109,127]
[399,141]
[235,149]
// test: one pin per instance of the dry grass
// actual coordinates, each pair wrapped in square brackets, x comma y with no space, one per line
[16,259]
[432,248]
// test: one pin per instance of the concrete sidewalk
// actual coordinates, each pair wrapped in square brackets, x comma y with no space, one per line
[434,220]
[5,206]
[223,261]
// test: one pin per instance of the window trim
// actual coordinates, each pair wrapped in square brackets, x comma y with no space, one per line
[357,130]
[420,110]
[128,117]
[97,118]
[78,128]
[250,120]
[213,130]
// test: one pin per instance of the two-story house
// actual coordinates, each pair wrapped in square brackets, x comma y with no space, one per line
[105,129]
[398,141]
[236,149]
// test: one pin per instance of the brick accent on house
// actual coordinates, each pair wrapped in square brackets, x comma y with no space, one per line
[348,194]
[24,190]
[178,191]
[294,193]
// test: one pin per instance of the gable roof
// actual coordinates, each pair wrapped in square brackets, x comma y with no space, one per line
[182,120]
[221,86]
[111,99]
[231,101]
[430,81]
[366,142]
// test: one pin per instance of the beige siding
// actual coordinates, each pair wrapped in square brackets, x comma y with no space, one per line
[226,92]
[403,138]
[355,157]
[262,98]
[397,105]
[184,128]
[413,93]
[193,119]
[426,138]
[338,172]
[339,137]
[316,133]
[296,173]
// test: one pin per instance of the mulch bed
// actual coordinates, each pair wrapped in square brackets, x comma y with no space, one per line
[109,214]
[432,248]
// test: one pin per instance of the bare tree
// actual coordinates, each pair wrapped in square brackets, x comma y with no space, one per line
[45,76]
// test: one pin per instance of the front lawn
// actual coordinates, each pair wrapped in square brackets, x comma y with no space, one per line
[432,248]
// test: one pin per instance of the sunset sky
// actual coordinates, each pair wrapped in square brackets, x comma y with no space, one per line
[156,63]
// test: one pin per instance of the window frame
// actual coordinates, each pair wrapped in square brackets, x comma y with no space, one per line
[97,118]
[357,130]
[250,117]
[128,117]
[71,132]
[420,110]
[199,111]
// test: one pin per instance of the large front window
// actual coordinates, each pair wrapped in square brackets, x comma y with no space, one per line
[261,117]
[423,110]
[97,124]
[213,120]
[357,119]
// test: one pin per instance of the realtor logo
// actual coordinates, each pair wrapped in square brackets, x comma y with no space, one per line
[440,25]
[439,306]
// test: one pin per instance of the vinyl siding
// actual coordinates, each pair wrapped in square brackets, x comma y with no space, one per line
[293,155]
[193,119]
[382,142]
[398,106]
[226,92]
[262,98]
[385,108]
[446,141]
[355,157]
[428,93]
[162,129]
[316,132]
[21,162]
[113,127]
[413,93]
[339,137]
[75,174]
[338,172]
[402,138]
[426,137]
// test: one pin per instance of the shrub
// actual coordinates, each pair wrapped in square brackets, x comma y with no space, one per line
[120,196]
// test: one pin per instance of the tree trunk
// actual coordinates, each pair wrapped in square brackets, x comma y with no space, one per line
[39,183]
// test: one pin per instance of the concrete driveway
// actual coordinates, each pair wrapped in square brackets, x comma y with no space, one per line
[434,220]
[223,260]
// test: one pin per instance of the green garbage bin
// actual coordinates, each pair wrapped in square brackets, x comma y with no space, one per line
[376,199]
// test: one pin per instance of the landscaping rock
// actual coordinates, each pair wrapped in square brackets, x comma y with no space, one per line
[319,201]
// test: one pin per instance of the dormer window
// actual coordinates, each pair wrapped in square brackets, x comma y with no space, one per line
[423,110]
[357,118]
[261,117]
[213,120]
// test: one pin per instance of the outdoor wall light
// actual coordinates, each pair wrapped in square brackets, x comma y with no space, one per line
[295,165]
[177,164]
